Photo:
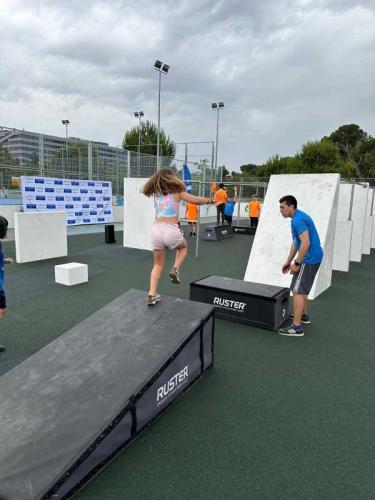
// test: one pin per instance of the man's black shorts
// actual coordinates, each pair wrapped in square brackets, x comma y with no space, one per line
[228,218]
[3,303]
[303,280]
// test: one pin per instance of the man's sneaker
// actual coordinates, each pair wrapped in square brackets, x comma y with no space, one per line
[2,348]
[305,318]
[175,276]
[291,331]
[153,299]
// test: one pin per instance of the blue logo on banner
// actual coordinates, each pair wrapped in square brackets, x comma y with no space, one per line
[83,191]
[59,183]
[78,214]
[51,206]
[86,220]
[105,184]
[40,198]
[98,191]
[91,183]
[100,219]
[100,205]
[69,206]
[27,188]
[107,212]
[106,198]
[67,190]
[74,183]
[30,205]
[49,190]
[59,198]
[85,206]
[93,213]
[71,221]
[76,198]
[92,198]
[39,181]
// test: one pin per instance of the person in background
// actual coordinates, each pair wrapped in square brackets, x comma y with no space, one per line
[3,304]
[219,199]
[191,215]
[229,207]
[254,211]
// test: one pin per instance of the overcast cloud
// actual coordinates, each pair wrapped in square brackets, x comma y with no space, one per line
[288,70]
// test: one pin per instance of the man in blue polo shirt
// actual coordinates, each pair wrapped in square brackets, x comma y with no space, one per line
[307,249]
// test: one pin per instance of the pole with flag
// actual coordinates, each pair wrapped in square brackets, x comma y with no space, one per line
[186,177]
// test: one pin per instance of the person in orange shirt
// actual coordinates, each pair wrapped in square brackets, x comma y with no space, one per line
[192,217]
[254,211]
[219,199]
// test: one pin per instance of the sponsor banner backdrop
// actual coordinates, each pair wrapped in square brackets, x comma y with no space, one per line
[84,202]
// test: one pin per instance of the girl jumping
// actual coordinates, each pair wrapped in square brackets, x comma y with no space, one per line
[167,191]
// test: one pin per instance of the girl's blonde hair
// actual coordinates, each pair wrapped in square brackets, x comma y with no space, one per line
[164,181]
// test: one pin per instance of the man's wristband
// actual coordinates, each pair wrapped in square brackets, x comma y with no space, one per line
[297,263]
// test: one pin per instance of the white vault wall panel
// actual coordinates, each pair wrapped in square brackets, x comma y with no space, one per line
[344,228]
[317,194]
[139,215]
[358,217]
[40,235]
[367,233]
[345,195]
[343,237]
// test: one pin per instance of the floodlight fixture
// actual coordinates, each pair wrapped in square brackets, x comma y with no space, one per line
[65,122]
[221,104]
[158,64]
[136,114]
[214,105]
[165,68]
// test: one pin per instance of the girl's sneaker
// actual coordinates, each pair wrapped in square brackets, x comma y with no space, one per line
[175,276]
[153,299]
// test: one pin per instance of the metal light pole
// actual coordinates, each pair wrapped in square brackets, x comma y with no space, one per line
[218,106]
[139,114]
[66,123]
[161,68]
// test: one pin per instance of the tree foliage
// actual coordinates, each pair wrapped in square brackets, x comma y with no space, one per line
[148,139]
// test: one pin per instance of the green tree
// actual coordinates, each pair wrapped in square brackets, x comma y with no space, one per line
[364,157]
[148,134]
[320,156]
[249,169]
[347,137]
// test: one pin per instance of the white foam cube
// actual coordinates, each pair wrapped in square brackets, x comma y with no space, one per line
[72,273]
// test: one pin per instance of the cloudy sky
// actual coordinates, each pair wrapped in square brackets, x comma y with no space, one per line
[288,70]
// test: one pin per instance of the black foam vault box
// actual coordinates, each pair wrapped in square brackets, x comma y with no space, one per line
[264,306]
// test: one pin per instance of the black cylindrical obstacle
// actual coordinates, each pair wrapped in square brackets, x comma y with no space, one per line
[110,233]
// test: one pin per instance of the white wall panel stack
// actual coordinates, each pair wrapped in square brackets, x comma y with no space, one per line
[40,235]
[317,194]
